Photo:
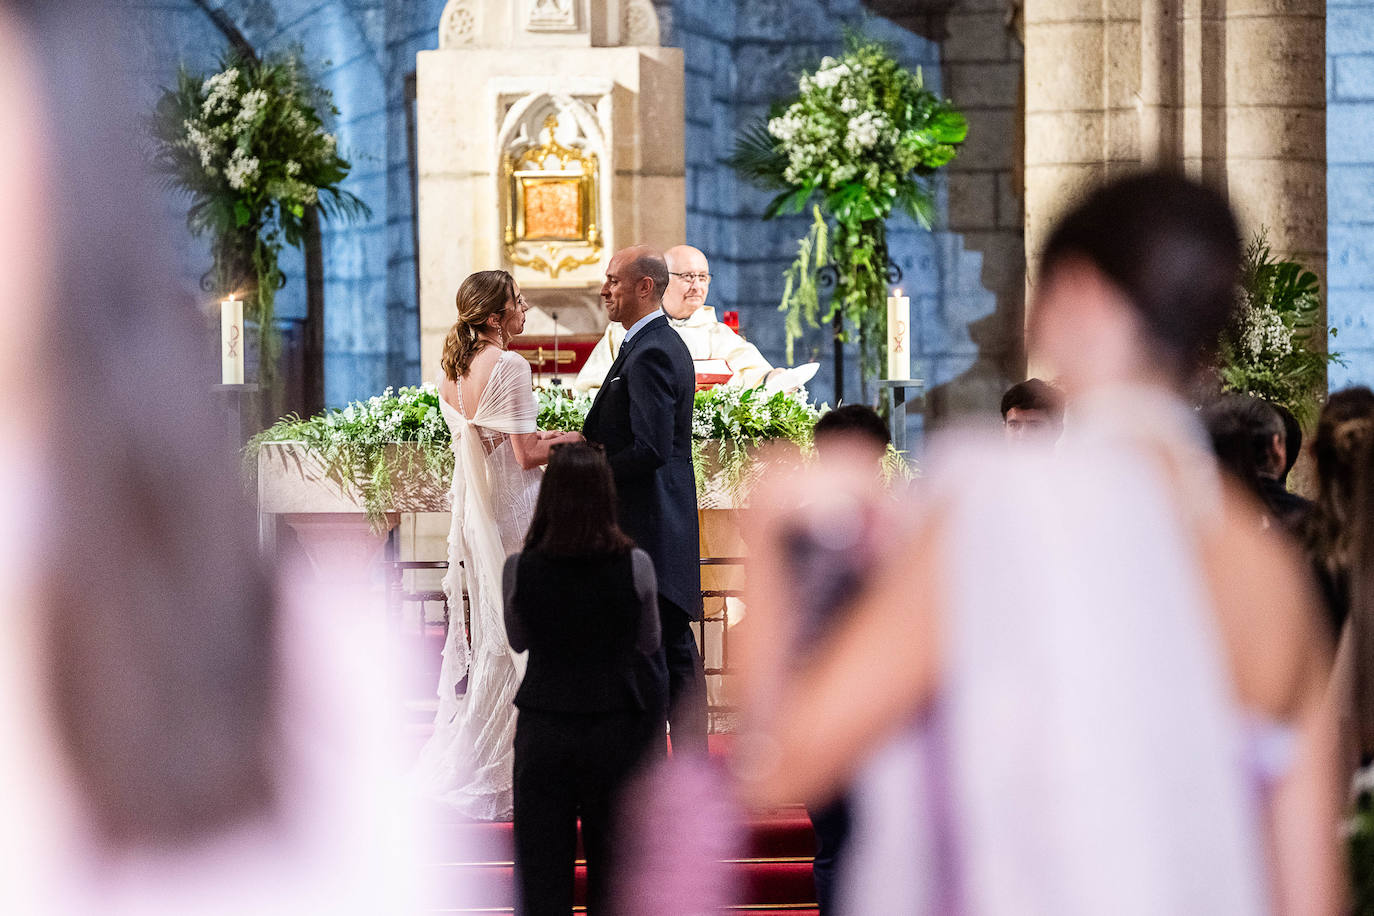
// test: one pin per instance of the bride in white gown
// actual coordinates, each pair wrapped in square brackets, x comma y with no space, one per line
[488,402]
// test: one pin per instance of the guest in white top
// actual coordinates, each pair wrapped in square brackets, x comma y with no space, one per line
[689,280]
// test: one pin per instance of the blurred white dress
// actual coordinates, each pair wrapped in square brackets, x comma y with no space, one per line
[1085,754]
[468,762]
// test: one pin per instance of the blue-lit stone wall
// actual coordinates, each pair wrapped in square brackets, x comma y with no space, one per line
[964,279]
[1350,187]
[740,58]
[361,50]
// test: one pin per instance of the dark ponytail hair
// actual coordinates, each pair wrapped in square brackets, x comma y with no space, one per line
[1172,246]
[576,514]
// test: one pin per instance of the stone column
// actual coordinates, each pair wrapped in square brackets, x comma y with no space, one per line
[1276,123]
[1082,120]
[1230,91]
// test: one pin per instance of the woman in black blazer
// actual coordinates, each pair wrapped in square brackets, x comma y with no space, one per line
[582,599]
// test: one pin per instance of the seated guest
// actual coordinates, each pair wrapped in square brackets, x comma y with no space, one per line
[583,600]
[1292,440]
[852,432]
[1033,411]
[684,302]
[1248,437]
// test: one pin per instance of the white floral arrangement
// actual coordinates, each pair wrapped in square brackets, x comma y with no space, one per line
[355,443]
[861,136]
[249,146]
[1274,347]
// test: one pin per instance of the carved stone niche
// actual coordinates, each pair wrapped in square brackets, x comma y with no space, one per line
[548,23]
[551,186]
[549,133]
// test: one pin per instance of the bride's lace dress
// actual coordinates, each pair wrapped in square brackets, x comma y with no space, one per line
[468,761]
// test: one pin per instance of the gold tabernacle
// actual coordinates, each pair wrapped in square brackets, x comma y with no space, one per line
[550,195]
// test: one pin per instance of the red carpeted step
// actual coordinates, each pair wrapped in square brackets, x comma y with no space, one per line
[482,887]
[774,882]
[785,833]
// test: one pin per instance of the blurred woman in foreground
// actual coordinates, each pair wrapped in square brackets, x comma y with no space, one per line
[176,736]
[1080,683]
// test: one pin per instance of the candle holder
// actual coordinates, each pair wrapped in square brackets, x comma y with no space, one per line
[897,397]
[231,401]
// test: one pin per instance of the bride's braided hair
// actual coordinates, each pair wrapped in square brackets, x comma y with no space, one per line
[482,295]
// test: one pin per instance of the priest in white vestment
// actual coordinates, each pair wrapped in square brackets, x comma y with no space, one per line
[684,302]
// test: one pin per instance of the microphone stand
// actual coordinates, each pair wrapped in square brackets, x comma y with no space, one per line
[555,381]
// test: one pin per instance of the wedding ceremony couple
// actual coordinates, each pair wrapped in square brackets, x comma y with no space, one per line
[642,419]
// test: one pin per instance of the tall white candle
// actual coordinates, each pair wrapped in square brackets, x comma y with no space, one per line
[898,336]
[231,340]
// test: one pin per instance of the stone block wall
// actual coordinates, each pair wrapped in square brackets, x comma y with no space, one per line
[965,279]
[362,51]
[1350,188]
[984,309]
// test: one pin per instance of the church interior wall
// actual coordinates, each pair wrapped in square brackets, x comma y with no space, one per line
[362,51]
[1350,187]
[966,278]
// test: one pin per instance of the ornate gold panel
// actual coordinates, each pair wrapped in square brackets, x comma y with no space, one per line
[550,195]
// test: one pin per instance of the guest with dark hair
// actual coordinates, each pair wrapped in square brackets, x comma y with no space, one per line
[1292,440]
[850,432]
[1033,410]
[1343,448]
[583,600]
[851,426]
[1248,437]
[1341,545]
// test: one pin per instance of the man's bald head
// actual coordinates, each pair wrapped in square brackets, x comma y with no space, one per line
[689,281]
[635,280]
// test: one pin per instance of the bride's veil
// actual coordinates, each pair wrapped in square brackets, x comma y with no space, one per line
[505,406]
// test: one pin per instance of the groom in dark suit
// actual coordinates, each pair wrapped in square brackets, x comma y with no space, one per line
[643,417]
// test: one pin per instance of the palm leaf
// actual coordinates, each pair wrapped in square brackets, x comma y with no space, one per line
[758,159]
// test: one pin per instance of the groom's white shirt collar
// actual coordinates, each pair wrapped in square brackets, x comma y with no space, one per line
[635,328]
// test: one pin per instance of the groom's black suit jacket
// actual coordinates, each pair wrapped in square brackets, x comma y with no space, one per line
[643,417]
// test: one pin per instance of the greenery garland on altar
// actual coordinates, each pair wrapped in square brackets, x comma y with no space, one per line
[249,146]
[1274,348]
[355,443]
[863,133]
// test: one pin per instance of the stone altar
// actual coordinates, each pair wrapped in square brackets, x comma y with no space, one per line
[550,134]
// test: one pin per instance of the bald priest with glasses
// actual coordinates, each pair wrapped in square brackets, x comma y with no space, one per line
[684,302]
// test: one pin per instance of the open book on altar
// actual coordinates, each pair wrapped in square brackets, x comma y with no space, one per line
[712,372]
